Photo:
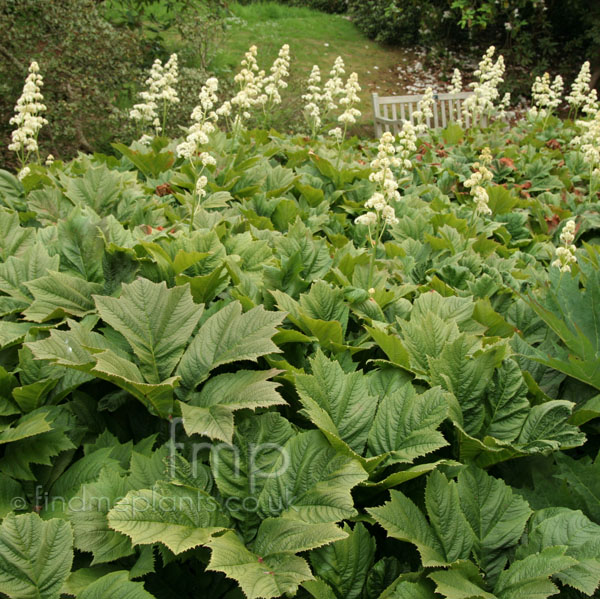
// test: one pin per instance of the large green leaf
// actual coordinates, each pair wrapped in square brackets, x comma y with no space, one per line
[344,397]
[405,424]
[241,470]
[177,517]
[156,321]
[345,564]
[496,515]
[228,336]
[88,511]
[117,586]
[573,530]
[310,481]
[58,294]
[35,556]
[583,478]
[258,576]
[211,410]
[446,517]
[461,581]
[529,578]
[403,520]
[32,264]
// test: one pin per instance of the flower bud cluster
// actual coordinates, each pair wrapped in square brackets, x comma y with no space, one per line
[475,183]
[160,90]
[546,94]
[250,80]
[203,119]
[456,83]
[380,202]
[565,253]
[588,143]
[581,96]
[424,111]
[349,100]
[28,115]
[485,90]
[276,80]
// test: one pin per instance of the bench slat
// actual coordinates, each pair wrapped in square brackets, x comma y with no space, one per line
[390,112]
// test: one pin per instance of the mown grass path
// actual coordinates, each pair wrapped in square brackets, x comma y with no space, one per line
[317,38]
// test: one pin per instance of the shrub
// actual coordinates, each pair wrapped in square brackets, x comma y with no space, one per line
[89,67]
[330,6]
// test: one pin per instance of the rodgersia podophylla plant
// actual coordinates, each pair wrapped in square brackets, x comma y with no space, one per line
[565,253]
[581,96]
[588,143]
[381,204]
[313,96]
[475,183]
[160,93]
[28,119]
[321,102]
[546,95]
[485,89]
[333,88]
[424,111]
[407,146]
[456,83]
[275,82]
[250,81]
[204,119]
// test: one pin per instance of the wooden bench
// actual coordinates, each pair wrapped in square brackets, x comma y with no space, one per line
[390,112]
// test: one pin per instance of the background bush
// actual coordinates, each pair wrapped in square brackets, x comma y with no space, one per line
[89,68]
[531,33]
[331,6]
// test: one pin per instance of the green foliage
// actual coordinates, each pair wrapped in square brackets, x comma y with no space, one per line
[247,403]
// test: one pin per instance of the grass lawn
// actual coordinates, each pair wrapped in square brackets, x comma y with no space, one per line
[314,38]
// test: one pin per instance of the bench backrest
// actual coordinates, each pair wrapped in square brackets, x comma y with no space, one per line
[391,111]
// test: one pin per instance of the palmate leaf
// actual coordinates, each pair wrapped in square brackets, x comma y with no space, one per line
[87,512]
[344,397]
[35,556]
[459,369]
[241,471]
[14,239]
[70,348]
[405,424]
[158,397]
[259,577]
[345,564]
[310,481]
[34,263]
[270,567]
[442,541]
[571,529]
[496,515]
[583,478]
[117,586]
[403,520]
[211,410]
[177,517]
[506,403]
[461,581]
[547,427]
[529,578]
[32,445]
[58,294]
[425,336]
[157,323]
[446,517]
[228,336]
